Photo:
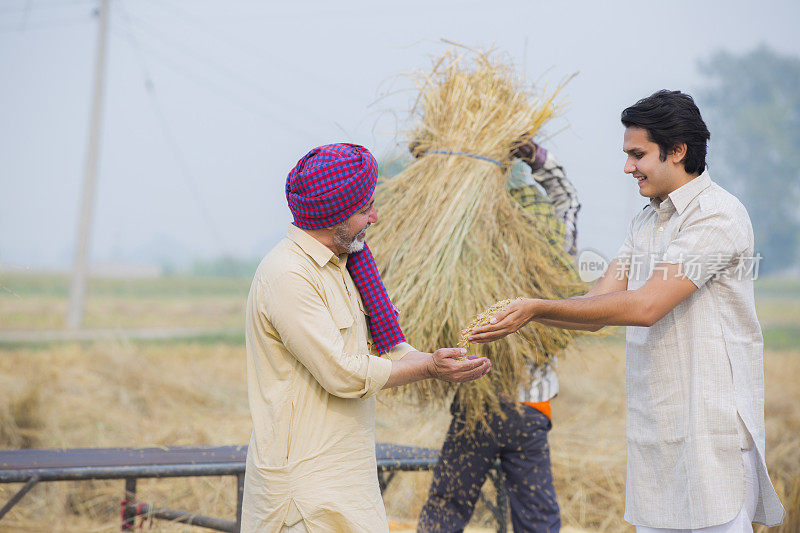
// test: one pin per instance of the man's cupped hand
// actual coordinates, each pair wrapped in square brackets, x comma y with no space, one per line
[453,364]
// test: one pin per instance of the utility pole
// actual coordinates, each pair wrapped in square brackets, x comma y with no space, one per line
[77,288]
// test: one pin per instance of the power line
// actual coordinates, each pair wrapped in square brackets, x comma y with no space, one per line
[225,71]
[242,45]
[172,141]
[68,23]
[245,47]
[29,5]
[213,86]
[50,22]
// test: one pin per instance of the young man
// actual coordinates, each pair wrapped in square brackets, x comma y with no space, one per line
[317,316]
[683,284]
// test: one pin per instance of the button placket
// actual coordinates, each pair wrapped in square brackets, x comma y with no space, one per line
[659,234]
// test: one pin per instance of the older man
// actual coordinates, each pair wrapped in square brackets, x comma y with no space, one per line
[317,316]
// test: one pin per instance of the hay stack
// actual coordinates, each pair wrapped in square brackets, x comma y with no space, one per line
[451,239]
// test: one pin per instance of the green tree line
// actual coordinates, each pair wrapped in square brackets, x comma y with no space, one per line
[752,106]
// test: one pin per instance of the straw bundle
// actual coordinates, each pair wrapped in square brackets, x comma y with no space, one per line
[452,239]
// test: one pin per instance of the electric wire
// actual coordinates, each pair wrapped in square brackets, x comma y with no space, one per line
[227,72]
[29,5]
[249,48]
[214,86]
[172,141]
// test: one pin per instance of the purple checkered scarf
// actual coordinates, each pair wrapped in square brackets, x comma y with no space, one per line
[327,185]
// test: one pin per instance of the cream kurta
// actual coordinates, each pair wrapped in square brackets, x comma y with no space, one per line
[311,381]
[695,378]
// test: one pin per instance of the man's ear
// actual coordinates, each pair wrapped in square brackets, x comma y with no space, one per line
[678,153]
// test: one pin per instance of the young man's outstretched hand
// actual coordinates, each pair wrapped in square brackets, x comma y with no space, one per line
[608,303]
[506,321]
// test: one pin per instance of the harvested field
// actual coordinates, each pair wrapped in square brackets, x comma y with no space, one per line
[118,393]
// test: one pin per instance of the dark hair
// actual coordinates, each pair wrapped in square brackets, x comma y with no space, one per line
[672,118]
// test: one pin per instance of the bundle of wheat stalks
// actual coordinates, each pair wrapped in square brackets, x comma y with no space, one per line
[452,240]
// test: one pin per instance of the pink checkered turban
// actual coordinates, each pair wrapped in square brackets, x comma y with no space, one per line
[327,185]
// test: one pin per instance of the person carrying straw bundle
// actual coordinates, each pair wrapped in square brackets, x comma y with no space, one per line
[520,440]
[475,115]
[322,339]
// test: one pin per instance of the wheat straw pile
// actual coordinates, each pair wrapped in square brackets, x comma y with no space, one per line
[452,240]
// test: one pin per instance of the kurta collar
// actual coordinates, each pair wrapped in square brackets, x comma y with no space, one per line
[320,253]
[683,195]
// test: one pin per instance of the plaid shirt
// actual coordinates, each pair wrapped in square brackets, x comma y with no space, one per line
[559,209]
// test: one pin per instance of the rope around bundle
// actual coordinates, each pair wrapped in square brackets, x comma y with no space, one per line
[476,156]
[446,247]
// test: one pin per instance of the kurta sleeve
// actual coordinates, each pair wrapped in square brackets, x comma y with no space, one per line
[399,351]
[709,245]
[307,328]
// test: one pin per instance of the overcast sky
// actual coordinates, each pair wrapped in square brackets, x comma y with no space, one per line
[208,104]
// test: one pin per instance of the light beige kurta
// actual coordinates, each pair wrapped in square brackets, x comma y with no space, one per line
[311,379]
[695,378]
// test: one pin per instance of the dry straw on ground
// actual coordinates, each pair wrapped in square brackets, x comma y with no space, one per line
[452,239]
[111,394]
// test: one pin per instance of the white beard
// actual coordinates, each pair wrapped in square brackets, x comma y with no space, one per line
[358,243]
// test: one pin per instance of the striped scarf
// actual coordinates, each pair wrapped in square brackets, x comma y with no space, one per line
[327,185]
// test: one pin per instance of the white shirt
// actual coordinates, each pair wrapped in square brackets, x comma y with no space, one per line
[695,372]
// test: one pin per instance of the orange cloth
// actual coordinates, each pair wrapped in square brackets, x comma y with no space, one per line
[544,407]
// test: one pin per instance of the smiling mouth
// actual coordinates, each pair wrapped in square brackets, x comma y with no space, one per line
[640,179]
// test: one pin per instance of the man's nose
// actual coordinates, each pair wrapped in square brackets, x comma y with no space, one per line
[629,167]
[373,216]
